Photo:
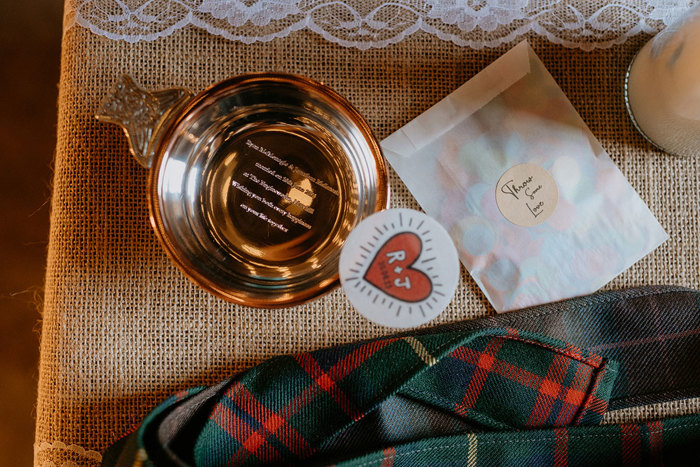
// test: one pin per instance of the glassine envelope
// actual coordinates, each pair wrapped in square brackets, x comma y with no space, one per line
[537,209]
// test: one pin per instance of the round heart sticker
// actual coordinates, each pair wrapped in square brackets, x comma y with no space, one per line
[399,268]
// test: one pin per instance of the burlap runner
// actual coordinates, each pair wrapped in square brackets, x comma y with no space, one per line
[123,329]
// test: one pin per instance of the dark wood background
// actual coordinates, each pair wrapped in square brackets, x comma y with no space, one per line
[30,42]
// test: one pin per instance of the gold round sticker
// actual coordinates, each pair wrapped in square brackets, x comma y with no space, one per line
[527,195]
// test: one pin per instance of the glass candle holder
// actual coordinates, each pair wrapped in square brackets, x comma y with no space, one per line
[662,87]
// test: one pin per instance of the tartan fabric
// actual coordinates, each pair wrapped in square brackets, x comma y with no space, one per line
[514,394]
[544,383]
[669,442]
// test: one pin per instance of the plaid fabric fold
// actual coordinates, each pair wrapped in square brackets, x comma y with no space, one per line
[668,442]
[475,393]
[518,380]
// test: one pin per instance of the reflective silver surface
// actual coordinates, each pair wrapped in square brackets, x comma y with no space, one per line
[257,183]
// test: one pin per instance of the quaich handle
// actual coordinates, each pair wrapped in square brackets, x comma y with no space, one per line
[142,114]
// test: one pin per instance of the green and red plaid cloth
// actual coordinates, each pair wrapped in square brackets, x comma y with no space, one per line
[529,387]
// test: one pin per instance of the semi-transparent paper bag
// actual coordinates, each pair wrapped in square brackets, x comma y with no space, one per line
[535,206]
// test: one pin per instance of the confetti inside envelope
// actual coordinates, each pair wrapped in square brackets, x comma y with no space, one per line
[535,206]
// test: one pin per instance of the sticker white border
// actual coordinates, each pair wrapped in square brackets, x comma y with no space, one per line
[437,259]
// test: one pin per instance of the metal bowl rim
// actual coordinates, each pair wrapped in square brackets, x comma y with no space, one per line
[170,245]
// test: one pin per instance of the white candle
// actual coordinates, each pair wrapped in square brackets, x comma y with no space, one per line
[663,87]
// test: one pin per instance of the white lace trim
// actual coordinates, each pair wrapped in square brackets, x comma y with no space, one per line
[364,23]
[61,446]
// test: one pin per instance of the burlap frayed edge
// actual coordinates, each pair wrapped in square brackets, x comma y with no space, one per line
[53,464]
[61,446]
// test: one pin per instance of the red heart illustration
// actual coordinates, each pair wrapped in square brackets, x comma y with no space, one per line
[391,269]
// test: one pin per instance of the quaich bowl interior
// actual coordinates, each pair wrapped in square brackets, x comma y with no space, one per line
[256,185]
